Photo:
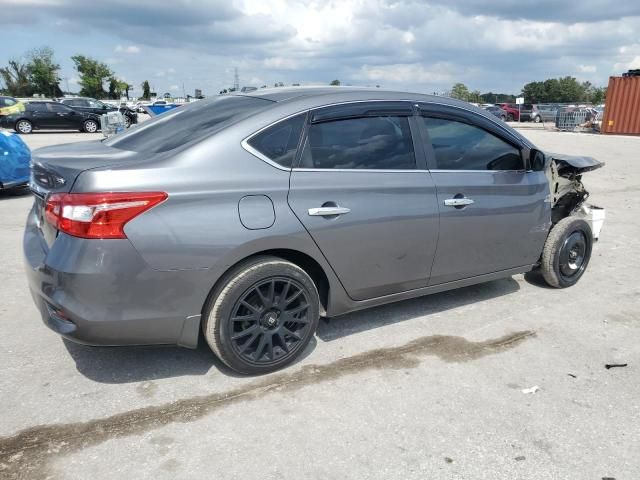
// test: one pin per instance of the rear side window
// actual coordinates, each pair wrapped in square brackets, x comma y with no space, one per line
[187,123]
[279,142]
[460,146]
[7,102]
[37,107]
[376,143]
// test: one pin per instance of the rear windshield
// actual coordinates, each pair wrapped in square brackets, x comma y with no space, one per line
[187,123]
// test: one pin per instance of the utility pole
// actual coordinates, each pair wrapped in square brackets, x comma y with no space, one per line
[236,80]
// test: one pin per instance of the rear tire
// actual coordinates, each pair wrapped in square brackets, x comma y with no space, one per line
[509,118]
[537,119]
[566,252]
[262,315]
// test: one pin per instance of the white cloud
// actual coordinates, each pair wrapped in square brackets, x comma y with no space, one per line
[174,88]
[127,49]
[587,68]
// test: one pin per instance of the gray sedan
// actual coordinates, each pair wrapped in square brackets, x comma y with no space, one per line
[249,216]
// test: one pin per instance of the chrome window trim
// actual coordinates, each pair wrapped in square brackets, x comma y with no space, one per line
[364,170]
[478,171]
[245,143]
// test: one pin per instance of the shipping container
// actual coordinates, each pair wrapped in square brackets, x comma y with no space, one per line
[622,107]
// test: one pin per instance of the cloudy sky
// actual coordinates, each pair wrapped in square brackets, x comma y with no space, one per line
[424,46]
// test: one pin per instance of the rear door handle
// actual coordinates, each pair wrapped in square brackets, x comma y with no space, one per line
[328,211]
[458,202]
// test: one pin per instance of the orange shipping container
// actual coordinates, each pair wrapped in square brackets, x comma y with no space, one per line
[622,108]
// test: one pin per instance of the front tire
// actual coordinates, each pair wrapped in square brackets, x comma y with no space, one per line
[90,126]
[510,118]
[537,119]
[262,315]
[566,252]
[24,126]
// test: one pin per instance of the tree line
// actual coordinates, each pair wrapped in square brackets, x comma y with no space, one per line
[37,73]
[552,90]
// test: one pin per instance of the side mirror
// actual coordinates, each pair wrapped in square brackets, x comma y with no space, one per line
[104,107]
[537,160]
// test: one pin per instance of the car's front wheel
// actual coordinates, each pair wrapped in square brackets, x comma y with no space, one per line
[127,121]
[566,252]
[24,126]
[262,316]
[537,119]
[90,126]
[510,118]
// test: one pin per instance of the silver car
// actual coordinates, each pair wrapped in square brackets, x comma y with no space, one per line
[249,216]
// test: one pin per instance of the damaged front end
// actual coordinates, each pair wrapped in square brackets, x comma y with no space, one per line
[568,194]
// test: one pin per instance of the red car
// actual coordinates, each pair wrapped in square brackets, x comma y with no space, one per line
[513,114]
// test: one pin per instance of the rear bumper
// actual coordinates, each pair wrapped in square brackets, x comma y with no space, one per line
[103,293]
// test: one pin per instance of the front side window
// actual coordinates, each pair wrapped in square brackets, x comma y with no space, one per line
[37,107]
[375,143]
[94,104]
[7,102]
[279,142]
[57,108]
[460,146]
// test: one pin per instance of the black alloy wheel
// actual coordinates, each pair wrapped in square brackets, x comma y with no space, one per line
[270,320]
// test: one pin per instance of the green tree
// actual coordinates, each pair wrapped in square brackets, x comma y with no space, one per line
[460,91]
[16,78]
[534,92]
[114,88]
[335,83]
[124,88]
[92,75]
[146,90]
[43,72]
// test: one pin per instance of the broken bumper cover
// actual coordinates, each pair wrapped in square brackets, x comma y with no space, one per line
[594,216]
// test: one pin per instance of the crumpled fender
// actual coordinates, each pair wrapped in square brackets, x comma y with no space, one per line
[574,164]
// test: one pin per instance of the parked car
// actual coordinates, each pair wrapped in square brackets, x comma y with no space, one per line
[50,115]
[247,217]
[14,162]
[497,111]
[517,114]
[543,113]
[91,105]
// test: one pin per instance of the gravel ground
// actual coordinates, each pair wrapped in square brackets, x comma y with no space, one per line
[423,389]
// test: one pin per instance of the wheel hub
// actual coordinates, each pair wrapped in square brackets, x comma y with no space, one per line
[270,319]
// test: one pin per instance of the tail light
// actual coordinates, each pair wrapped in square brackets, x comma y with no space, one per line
[98,215]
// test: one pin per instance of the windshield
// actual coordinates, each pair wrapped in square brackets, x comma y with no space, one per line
[187,124]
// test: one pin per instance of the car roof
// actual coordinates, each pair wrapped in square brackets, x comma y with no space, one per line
[324,95]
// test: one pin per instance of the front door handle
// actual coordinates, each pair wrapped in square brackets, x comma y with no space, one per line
[458,202]
[328,211]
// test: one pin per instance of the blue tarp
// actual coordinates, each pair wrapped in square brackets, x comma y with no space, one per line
[14,160]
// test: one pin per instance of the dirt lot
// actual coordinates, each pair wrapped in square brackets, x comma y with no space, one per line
[423,389]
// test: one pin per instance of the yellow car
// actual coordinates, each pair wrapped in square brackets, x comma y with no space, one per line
[9,105]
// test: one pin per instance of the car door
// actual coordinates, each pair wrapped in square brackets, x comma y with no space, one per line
[62,116]
[362,191]
[494,213]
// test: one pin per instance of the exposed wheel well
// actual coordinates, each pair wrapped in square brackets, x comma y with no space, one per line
[304,261]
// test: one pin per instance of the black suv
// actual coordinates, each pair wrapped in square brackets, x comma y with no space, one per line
[50,115]
[91,105]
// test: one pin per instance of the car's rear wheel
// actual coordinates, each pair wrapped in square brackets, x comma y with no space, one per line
[24,126]
[262,316]
[127,121]
[510,118]
[566,252]
[537,119]
[90,126]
